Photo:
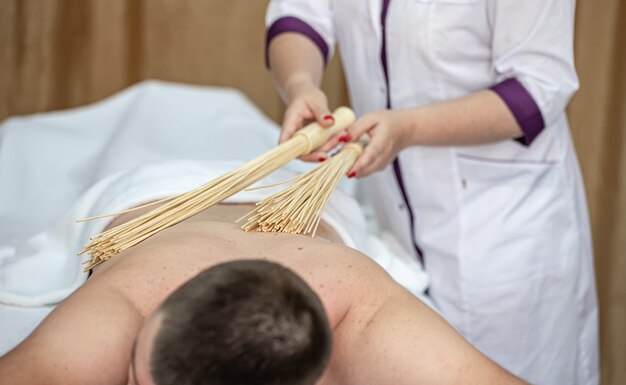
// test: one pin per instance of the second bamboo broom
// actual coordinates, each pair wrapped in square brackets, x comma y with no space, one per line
[297,209]
[176,209]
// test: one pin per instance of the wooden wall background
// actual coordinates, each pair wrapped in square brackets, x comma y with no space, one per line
[57,54]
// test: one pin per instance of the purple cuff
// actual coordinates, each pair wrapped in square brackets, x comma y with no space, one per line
[293,24]
[523,107]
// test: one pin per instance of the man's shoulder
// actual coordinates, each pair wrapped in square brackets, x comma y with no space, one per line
[350,283]
[92,331]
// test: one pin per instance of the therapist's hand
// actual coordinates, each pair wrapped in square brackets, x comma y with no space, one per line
[307,103]
[388,131]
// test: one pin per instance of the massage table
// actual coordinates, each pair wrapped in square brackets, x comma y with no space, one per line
[48,161]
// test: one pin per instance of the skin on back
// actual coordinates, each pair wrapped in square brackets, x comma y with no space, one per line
[382,334]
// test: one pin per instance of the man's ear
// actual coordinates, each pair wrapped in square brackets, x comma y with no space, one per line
[144,345]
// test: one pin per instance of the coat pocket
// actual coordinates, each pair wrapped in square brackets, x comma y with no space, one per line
[517,220]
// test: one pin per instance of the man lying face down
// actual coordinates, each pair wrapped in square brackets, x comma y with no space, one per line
[204,303]
[240,322]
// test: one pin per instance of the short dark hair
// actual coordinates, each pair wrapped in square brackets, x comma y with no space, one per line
[243,322]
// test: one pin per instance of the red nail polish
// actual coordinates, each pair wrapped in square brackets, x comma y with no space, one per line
[329,117]
[344,138]
[322,158]
[352,174]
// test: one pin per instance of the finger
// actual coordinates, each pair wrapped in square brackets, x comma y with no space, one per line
[294,119]
[364,163]
[291,123]
[340,137]
[380,159]
[368,169]
[315,156]
[322,114]
[361,126]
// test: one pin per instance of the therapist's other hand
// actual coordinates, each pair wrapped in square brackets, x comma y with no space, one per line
[388,134]
[308,103]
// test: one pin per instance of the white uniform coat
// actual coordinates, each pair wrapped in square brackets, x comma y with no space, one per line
[502,228]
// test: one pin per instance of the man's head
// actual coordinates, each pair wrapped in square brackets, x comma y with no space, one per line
[242,322]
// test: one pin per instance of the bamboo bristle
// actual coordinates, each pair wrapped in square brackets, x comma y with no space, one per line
[176,209]
[103,246]
[298,208]
[125,211]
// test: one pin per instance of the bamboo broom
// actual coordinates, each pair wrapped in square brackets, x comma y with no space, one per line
[105,245]
[298,208]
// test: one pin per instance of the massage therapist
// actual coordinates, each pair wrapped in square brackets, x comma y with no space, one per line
[470,164]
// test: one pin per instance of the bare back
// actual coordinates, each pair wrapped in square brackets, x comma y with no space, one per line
[95,327]
[88,338]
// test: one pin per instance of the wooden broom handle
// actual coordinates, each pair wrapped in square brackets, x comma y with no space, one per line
[317,135]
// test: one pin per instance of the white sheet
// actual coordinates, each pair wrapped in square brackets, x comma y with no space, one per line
[48,160]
